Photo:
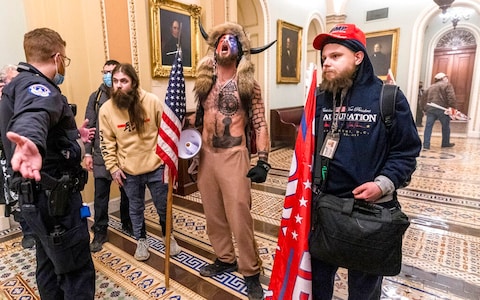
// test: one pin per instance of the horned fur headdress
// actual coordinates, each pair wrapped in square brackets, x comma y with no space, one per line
[205,72]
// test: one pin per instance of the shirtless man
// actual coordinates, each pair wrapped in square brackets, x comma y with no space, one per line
[229,100]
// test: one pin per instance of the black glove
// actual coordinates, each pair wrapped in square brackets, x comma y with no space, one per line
[259,172]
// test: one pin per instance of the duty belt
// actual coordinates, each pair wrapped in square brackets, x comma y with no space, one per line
[75,183]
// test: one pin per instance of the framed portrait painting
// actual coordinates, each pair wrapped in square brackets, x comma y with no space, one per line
[382,48]
[173,27]
[289,49]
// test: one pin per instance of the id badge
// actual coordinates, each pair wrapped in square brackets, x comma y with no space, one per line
[330,146]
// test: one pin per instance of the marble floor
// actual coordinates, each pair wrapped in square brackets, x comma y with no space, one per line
[441,253]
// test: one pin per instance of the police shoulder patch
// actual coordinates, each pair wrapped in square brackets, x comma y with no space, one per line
[39,90]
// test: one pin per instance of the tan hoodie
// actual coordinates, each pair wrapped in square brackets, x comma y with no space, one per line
[122,147]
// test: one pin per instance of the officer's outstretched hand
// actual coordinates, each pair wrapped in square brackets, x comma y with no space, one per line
[259,172]
[86,134]
[26,159]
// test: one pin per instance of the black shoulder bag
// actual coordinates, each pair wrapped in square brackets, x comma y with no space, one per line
[351,233]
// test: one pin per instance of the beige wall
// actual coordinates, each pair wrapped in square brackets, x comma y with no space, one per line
[79,24]
[117,29]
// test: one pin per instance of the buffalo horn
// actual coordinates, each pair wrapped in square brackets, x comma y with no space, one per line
[202,30]
[261,49]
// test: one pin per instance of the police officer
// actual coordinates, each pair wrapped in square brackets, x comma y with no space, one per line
[43,145]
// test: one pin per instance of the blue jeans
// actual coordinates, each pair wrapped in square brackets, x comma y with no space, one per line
[134,187]
[361,286]
[432,116]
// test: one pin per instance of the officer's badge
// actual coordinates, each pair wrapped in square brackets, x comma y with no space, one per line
[39,90]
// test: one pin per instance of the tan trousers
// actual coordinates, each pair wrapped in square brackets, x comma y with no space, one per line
[226,198]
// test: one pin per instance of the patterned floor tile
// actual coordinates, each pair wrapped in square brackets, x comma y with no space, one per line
[139,279]
[444,193]
[118,276]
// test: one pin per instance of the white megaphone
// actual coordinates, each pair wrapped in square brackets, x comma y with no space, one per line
[189,143]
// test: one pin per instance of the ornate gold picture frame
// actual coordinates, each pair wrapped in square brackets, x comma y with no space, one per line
[289,50]
[382,49]
[166,19]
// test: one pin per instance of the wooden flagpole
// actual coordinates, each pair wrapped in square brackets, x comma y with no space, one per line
[168,230]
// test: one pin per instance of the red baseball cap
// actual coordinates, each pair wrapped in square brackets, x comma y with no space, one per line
[341,32]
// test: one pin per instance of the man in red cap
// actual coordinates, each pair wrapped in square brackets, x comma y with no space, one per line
[364,159]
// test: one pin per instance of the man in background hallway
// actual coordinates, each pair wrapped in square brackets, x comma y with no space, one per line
[94,162]
[7,73]
[442,94]
[419,114]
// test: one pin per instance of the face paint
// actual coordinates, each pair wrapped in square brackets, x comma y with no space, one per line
[227,42]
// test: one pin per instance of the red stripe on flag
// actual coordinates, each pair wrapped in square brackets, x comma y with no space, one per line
[291,273]
[172,117]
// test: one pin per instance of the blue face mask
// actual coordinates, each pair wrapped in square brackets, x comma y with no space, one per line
[58,78]
[107,79]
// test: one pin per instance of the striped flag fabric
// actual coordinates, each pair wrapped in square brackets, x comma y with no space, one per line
[390,78]
[291,275]
[172,120]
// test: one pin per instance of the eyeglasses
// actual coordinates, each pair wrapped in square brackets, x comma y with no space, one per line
[66,60]
[106,72]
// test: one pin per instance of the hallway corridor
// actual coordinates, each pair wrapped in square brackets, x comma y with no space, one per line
[441,247]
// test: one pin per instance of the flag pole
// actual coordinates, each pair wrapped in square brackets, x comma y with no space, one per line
[168,230]
[169,134]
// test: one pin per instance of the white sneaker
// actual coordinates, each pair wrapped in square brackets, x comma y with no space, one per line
[174,247]
[142,253]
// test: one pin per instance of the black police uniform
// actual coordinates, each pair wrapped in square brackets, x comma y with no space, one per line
[33,106]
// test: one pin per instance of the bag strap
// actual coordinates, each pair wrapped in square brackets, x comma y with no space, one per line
[320,162]
[97,100]
[388,98]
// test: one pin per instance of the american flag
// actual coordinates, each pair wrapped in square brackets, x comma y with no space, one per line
[291,275]
[172,119]
[390,78]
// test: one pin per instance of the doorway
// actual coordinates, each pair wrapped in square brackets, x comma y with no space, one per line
[455,56]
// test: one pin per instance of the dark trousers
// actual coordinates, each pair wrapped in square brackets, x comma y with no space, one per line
[64,264]
[100,204]
[419,115]
[78,284]
[361,286]
[432,116]
[25,228]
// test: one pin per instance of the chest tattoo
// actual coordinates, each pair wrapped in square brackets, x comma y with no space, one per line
[227,104]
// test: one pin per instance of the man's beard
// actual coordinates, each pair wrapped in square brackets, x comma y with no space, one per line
[344,80]
[123,100]
[226,60]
